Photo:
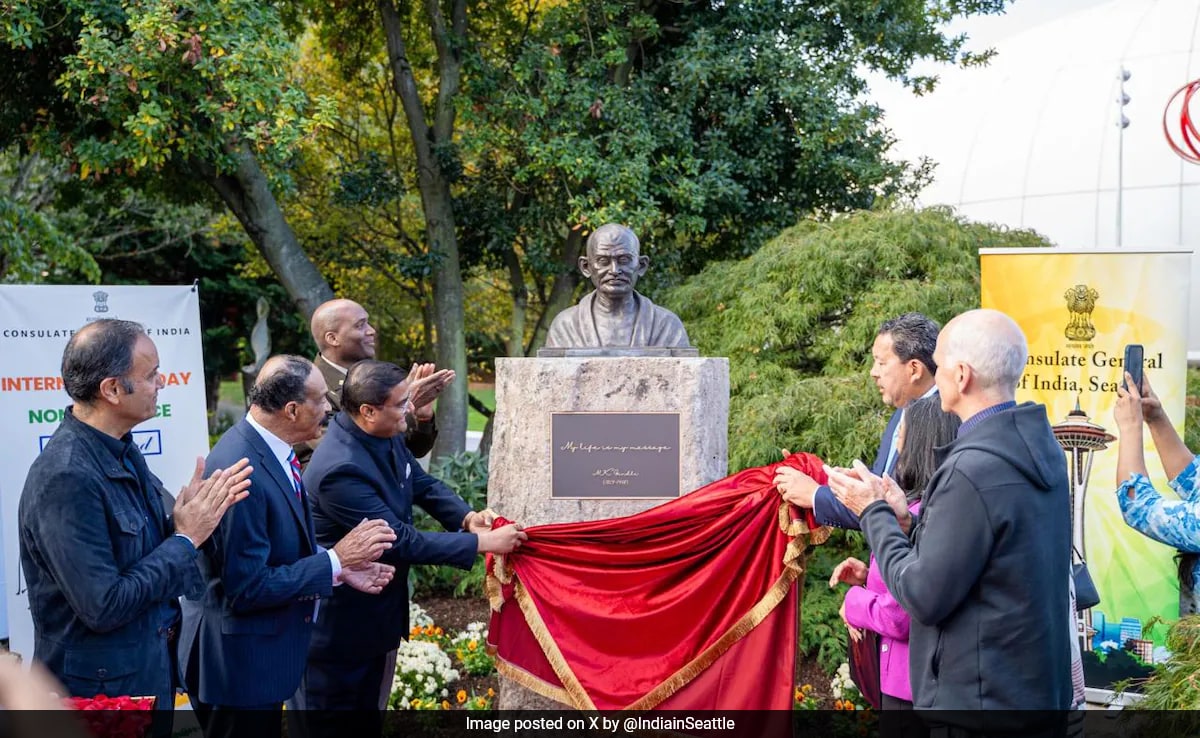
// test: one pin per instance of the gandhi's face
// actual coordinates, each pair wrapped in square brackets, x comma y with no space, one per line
[614,266]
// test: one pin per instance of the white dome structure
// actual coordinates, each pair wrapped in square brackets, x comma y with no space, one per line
[1031,140]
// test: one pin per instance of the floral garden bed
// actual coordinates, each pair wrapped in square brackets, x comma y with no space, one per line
[455,616]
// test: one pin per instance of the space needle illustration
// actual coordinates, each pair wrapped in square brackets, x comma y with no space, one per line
[1080,439]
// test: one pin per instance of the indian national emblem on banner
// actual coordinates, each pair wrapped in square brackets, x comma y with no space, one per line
[101,298]
[1081,301]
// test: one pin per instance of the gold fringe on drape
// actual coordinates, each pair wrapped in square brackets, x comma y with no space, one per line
[573,694]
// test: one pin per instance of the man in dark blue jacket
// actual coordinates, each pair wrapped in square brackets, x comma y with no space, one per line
[362,469]
[985,573]
[245,643]
[902,368]
[104,563]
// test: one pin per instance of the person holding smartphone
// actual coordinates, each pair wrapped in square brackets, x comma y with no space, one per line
[1173,522]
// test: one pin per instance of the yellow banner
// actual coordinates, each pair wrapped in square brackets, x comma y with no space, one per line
[1078,311]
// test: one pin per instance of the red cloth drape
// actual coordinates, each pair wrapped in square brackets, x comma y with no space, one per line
[686,606]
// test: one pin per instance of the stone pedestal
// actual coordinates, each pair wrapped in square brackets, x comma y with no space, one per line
[529,392]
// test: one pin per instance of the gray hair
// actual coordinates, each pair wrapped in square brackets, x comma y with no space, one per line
[991,343]
[99,350]
[282,381]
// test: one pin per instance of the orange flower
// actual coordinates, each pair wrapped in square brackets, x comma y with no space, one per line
[437,631]
[806,688]
[480,702]
[491,692]
[472,646]
[445,705]
[461,696]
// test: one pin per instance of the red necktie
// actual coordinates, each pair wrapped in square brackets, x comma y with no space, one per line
[297,482]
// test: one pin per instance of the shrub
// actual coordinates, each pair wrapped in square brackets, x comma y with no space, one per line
[467,475]
[797,320]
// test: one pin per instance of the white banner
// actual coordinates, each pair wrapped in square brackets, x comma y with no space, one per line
[35,324]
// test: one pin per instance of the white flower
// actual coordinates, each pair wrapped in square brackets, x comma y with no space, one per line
[417,615]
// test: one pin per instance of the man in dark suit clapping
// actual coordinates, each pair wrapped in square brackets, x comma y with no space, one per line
[362,469]
[245,645]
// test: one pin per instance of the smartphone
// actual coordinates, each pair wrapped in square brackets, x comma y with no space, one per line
[1133,365]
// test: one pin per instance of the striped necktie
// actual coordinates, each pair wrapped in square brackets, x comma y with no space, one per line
[297,482]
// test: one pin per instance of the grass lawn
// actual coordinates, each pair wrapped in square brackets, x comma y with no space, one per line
[486,395]
[231,392]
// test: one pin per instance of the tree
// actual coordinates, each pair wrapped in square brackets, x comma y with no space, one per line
[121,89]
[34,244]
[706,126]
[800,315]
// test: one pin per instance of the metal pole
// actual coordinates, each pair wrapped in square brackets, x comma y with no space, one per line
[1122,124]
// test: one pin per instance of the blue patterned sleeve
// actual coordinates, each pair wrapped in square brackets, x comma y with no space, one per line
[1185,484]
[1175,523]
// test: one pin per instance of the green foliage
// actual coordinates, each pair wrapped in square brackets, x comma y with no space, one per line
[466,474]
[823,634]
[36,241]
[1173,685]
[469,648]
[1191,421]
[705,126]
[798,318]
[150,83]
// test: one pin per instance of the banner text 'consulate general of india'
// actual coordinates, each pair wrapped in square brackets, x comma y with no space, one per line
[35,324]
[1078,310]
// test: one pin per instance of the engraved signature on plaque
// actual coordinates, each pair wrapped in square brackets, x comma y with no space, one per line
[614,455]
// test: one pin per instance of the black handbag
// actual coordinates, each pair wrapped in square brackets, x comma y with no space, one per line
[1086,595]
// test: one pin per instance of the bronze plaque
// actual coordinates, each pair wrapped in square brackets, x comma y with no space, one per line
[614,455]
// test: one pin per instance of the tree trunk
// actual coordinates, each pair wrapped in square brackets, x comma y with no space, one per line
[563,290]
[520,298]
[247,193]
[436,199]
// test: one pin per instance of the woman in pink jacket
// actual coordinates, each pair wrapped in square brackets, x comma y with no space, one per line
[868,604]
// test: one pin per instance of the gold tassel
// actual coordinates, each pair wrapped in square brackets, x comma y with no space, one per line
[576,692]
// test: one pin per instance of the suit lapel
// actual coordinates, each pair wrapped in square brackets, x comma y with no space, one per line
[333,381]
[885,446]
[266,460]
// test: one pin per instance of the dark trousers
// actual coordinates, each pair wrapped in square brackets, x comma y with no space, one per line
[897,719]
[257,721]
[341,698]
